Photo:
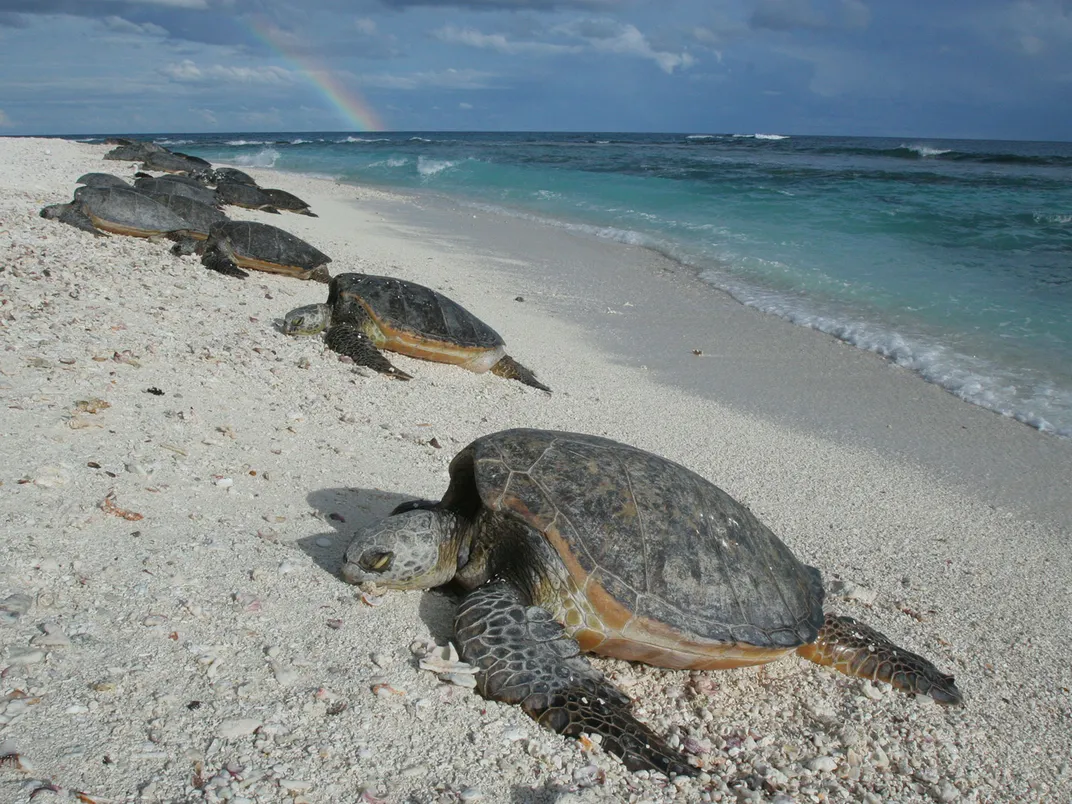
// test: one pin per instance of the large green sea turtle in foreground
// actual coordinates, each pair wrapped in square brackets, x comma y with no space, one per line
[366,313]
[236,245]
[571,543]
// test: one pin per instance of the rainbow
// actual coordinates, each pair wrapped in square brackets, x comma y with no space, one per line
[349,102]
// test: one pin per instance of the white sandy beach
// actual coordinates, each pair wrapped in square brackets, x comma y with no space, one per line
[173,627]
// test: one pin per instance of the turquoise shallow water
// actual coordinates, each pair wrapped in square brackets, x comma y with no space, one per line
[952,258]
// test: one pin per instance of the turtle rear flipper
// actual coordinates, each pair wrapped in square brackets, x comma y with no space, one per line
[512,370]
[346,339]
[524,657]
[855,649]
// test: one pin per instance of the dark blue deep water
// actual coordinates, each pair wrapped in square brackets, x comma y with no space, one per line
[950,257]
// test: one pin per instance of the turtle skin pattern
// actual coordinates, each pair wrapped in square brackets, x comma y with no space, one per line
[524,657]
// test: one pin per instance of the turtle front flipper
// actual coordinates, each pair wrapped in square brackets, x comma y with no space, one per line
[217,259]
[512,370]
[347,339]
[524,657]
[855,649]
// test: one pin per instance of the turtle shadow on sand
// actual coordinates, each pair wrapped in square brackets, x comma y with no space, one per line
[350,509]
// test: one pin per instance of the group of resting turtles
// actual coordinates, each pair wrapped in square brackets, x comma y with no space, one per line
[567,543]
[363,315]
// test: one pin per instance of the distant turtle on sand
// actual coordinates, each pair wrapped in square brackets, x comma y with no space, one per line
[570,543]
[244,195]
[234,245]
[119,211]
[133,150]
[169,162]
[102,180]
[281,199]
[366,313]
[204,195]
[232,175]
[189,181]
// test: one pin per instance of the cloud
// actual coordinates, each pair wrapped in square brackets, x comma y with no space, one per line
[610,36]
[788,15]
[5,121]
[465,106]
[597,35]
[512,5]
[194,4]
[120,25]
[499,42]
[1039,26]
[440,79]
[97,8]
[207,115]
[186,72]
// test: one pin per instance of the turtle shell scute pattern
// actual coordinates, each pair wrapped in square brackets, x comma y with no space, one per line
[661,540]
[407,306]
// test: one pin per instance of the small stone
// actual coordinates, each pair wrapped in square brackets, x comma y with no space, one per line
[467,680]
[285,675]
[224,482]
[946,791]
[154,619]
[879,758]
[420,769]
[871,691]
[296,785]
[25,656]
[16,605]
[470,794]
[240,727]
[324,541]
[822,764]
[513,733]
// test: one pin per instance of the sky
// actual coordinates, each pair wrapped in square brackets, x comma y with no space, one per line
[989,69]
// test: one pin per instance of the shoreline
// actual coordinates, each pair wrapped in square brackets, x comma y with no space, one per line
[265,452]
[801,377]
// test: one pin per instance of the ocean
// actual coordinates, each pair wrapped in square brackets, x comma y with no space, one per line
[952,258]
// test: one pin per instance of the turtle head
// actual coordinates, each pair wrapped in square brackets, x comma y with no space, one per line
[308,320]
[415,549]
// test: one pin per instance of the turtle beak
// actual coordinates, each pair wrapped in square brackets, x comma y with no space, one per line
[368,566]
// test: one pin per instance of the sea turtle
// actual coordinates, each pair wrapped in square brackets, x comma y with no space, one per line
[366,313]
[204,195]
[181,178]
[244,195]
[113,209]
[127,150]
[170,162]
[233,175]
[102,180]
[199,217]
[281,199]
[570,542]
[234,245]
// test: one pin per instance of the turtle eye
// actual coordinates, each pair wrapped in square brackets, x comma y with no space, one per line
[377,560]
